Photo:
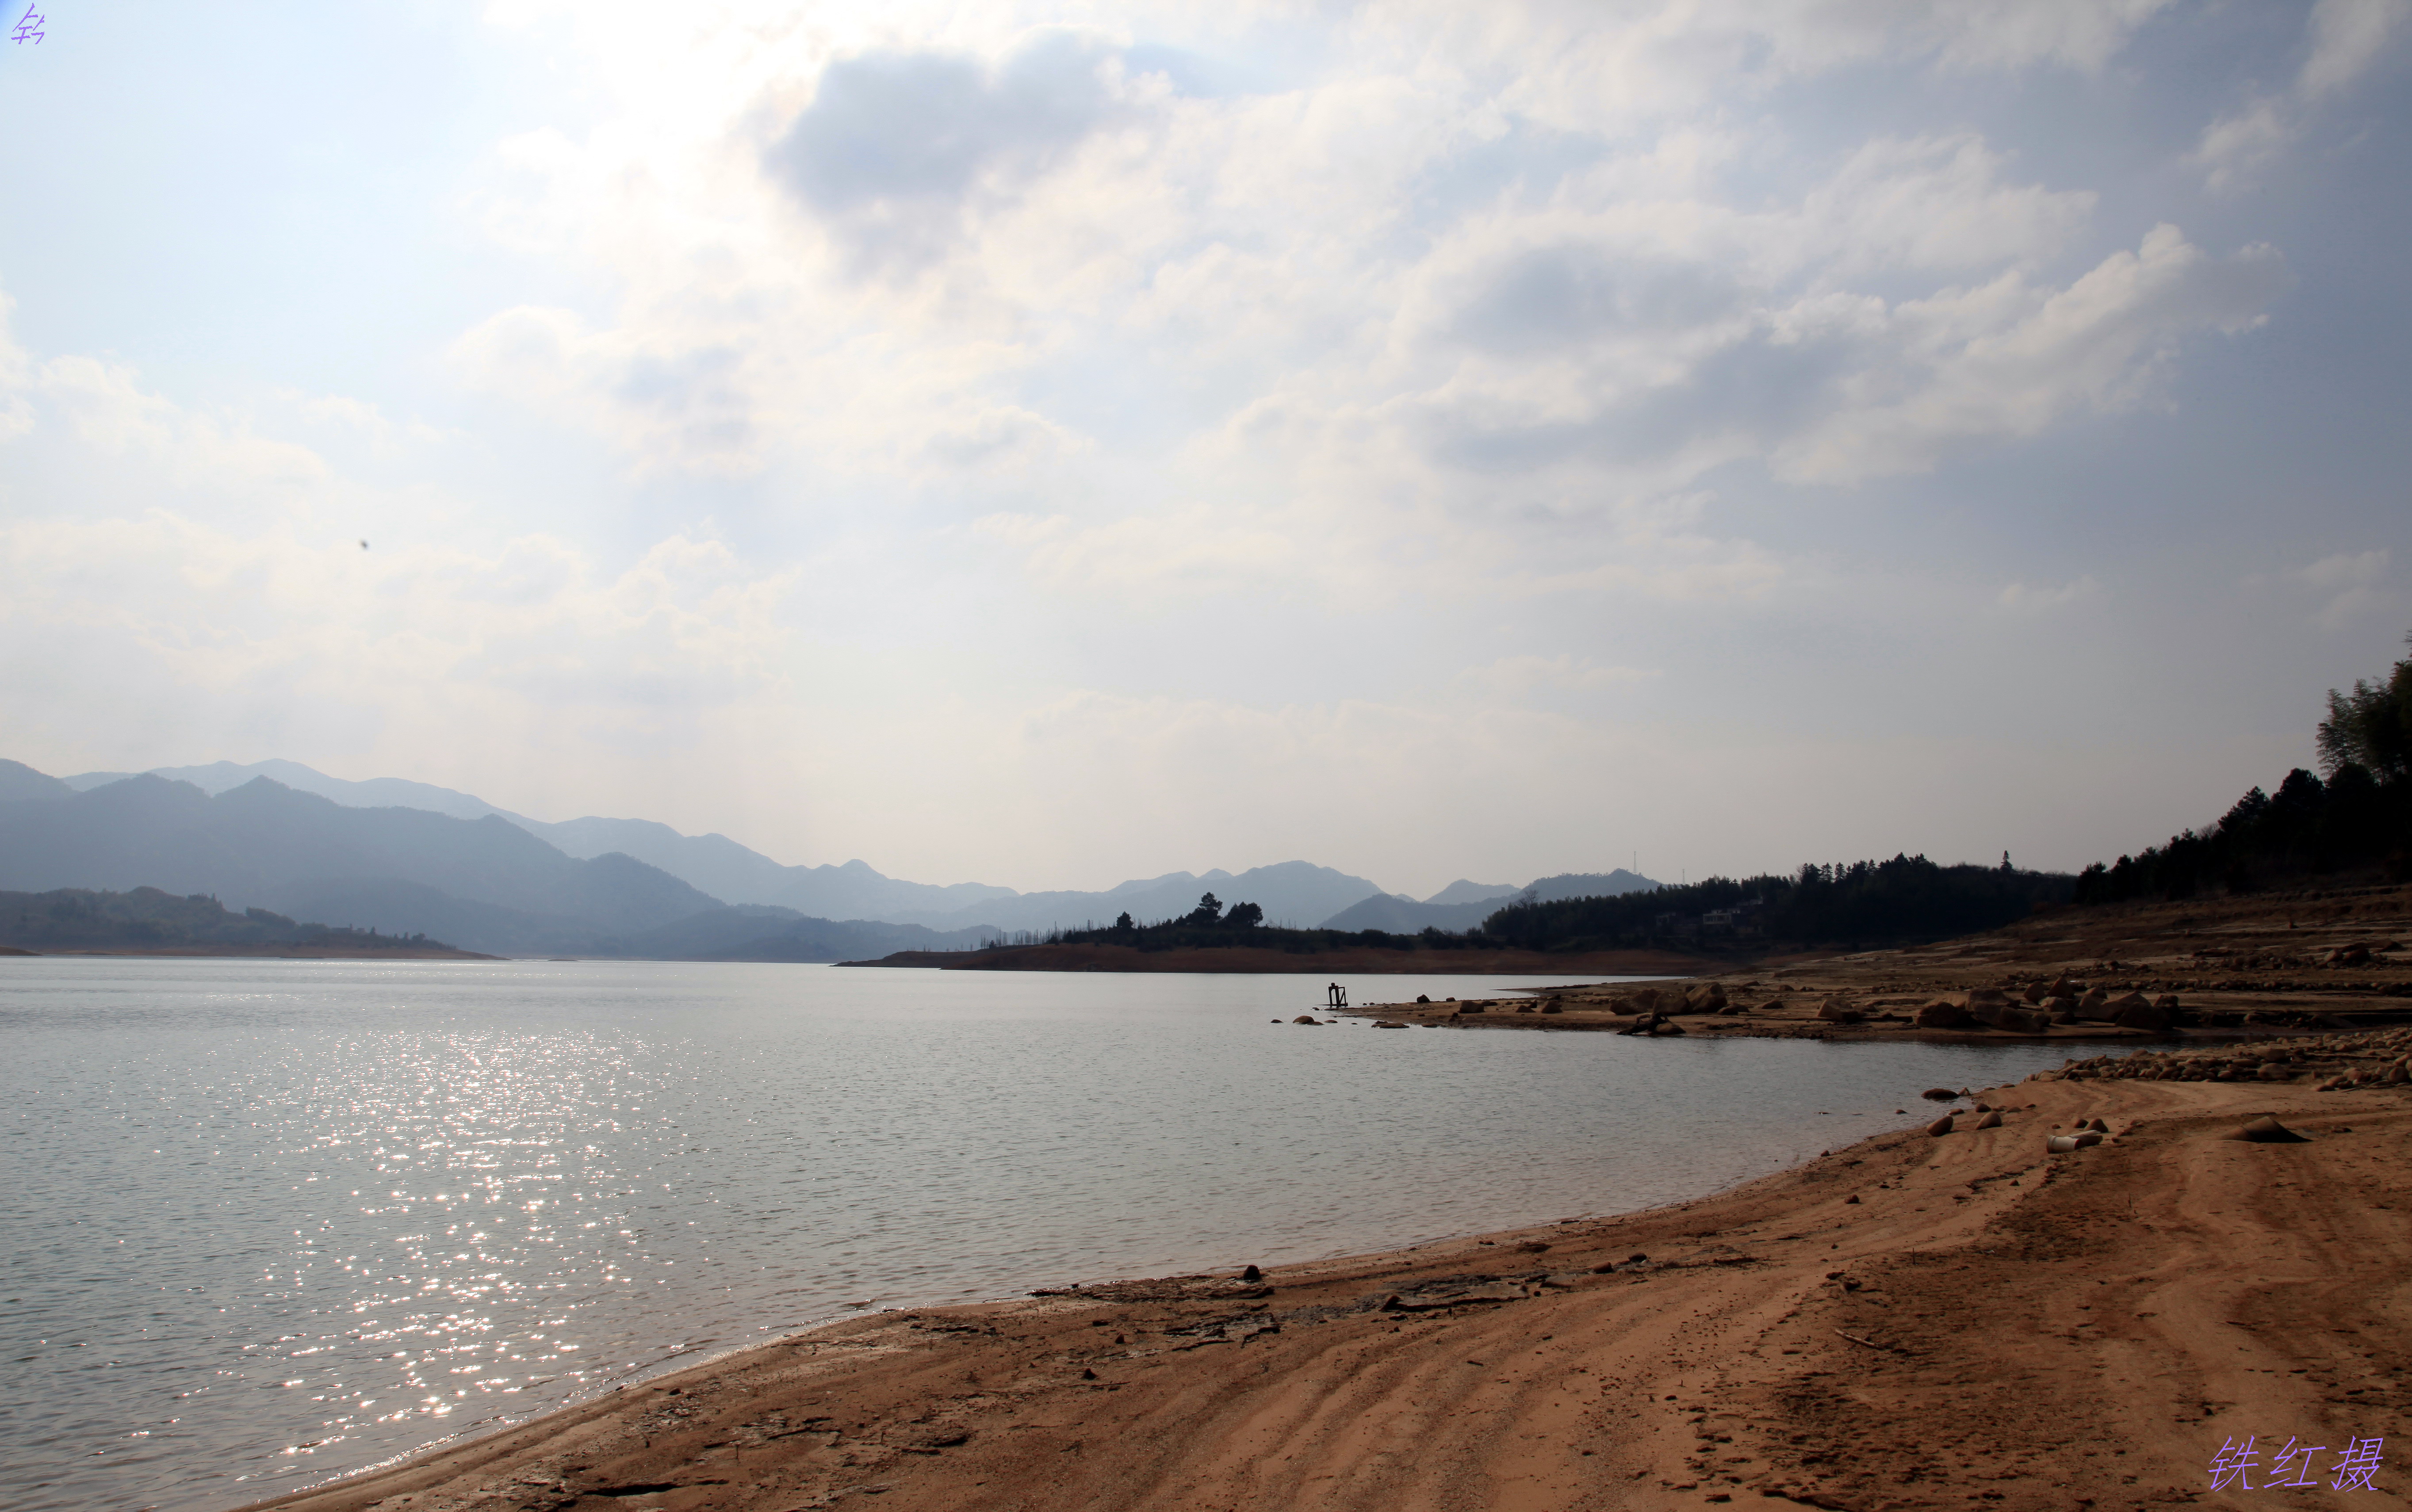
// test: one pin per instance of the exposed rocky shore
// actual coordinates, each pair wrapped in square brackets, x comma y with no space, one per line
[2310,961]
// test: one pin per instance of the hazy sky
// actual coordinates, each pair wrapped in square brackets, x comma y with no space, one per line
[1047,444]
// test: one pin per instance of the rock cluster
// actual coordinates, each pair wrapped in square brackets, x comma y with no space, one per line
[2341,1062]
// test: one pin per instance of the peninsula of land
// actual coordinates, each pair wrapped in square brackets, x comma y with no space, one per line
[1341,960]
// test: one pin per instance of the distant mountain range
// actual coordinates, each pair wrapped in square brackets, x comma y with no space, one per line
[407,858]
[1461,905]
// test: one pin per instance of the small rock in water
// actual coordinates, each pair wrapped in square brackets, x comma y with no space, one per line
[1307,1018]
[1939,1094]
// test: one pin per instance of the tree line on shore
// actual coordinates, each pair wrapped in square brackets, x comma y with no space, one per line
[1856,904]
[1215,926]
[82,918]
[2358,817]
[1903,900]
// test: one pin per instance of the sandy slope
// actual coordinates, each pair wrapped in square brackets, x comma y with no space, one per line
[1986,1325]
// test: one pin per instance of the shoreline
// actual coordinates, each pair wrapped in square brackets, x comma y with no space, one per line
[1790,1339]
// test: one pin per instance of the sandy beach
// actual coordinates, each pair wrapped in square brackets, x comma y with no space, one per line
[1920,1320]
[1914,1321]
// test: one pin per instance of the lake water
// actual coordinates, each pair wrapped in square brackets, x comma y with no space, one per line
[265,1223]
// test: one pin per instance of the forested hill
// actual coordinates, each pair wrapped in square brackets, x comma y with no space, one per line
[1907,900]
[1857,904]
[2360,819]
[147,918]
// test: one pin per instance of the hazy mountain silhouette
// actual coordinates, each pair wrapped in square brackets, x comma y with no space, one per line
[1463,892]
[1461,905]
[412,857]
[1590,885]
[713,864]
[21,784]
[1292,892]
[484,883]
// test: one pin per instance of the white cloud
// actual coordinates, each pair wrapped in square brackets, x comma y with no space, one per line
[16,379]
[2351,582]
[2040,598]
[1518,676]
[2350,38]
[2009,359]
[2346,39]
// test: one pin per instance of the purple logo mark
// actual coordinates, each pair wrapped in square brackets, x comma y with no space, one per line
[2228,1467]
[2292,1465]
[2354,1467]
[29,28]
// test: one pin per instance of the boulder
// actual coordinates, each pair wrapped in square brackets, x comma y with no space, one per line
[2096,1125]
[1773,1005]
[1706,998]
[1942,1013]
[1646,999]
[1307,1018]
[2268,1130]
[1421,998]
[1989,995]
[1991,1120]
[1941,1126]
[1836,1010]
[2014,1020]
[1387,1023]
[2150,1016]
[1941,1094]
[1553,1006]
[2092,1005]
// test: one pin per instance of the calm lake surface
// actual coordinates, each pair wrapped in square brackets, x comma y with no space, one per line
[266,1222]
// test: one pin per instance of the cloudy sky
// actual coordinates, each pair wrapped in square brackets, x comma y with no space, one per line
[1050,442]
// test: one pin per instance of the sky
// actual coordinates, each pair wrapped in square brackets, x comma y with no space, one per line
[1047,444]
